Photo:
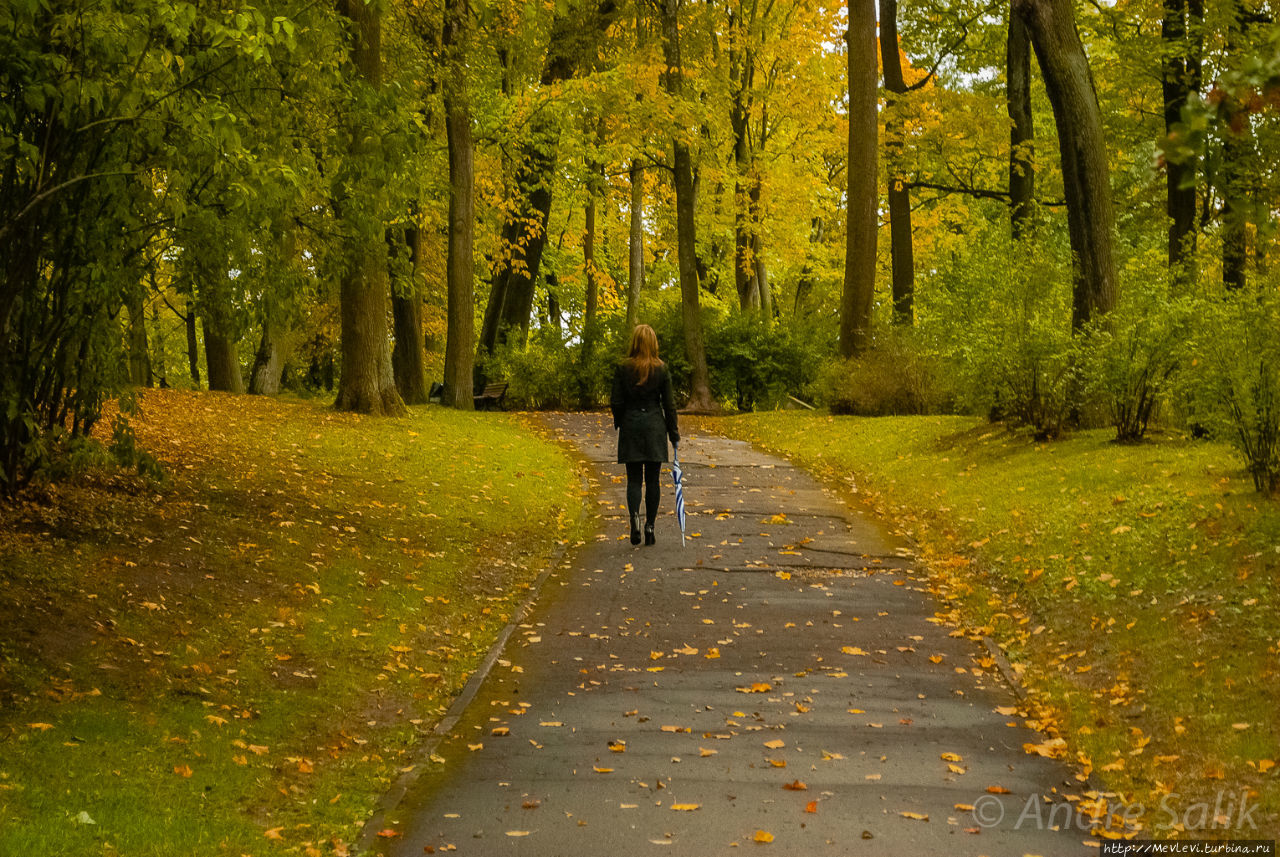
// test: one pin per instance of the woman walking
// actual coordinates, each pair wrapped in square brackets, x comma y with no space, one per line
[644,414]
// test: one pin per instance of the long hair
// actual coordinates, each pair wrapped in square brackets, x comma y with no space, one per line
[643,354]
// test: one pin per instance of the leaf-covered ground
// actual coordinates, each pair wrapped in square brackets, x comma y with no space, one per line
[1137,586]
[239,660]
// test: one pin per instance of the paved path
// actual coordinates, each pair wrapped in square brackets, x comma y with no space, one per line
[789,644]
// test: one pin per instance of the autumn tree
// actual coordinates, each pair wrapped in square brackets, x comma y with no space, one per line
[460,338]
[686,213]
[1086,174]
[900,240]
[861,217]
[367,384]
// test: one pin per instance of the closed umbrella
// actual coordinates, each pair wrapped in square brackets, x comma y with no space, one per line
[677,476]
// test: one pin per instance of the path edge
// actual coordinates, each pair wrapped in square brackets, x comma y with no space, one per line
[401,785]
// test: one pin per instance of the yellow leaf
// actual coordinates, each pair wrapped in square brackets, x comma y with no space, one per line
[685,807]
[517,833]
[853,650]
[795,786]
[775,744]
[41,726]
[951,757]
[918,816]
[183,771]
[600,770]
[756,687]
[762,836]
[273,833]
[777,763]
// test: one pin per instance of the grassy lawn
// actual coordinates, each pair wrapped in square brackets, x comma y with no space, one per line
[1137,587]
[239,660]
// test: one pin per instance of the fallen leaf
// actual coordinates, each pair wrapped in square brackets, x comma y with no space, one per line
[600,770]
[811,806]
[794,786]
[998,790]
[775,744]
[183,771]
[517,833]
[685,807]
[918,816]
[274,833]
[762,836]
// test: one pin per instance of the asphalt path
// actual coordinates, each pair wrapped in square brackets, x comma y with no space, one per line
[781,682]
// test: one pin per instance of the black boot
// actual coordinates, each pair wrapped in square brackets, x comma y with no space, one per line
[635,529]
[648,534]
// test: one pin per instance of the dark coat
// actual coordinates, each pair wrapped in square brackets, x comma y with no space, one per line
[644,414]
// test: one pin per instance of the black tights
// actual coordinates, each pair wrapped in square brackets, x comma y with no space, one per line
[652,490]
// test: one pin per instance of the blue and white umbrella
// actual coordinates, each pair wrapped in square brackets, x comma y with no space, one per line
[677,476]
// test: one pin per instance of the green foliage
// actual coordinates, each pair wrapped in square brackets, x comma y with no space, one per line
[900,374]
[1234,382]
[752,365]
[550,374]
[1130,358]
[1002,317]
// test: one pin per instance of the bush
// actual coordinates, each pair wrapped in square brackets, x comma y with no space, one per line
[898,375]
[549,373]
[1004,321]
[752,366]
[1131,356]
[1234,383]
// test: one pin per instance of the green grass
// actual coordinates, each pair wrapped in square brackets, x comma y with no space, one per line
[259,644]
[1137,585]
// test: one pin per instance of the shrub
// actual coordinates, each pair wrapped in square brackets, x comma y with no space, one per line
[1234,383]
[898,375]
[1003,319]
[1131,356]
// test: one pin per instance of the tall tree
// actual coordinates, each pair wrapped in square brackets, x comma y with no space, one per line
[635,245]
[573,40]
[1233,184]
[861,217]
[1085,172]
[900,240]
[1182,37]
[408,356]
[1022,169]
[367,384]
[686,216]
[459,350]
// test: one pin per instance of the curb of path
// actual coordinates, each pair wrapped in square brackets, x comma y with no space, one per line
[391,798]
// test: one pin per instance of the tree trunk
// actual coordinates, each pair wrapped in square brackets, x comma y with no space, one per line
[1022,170]
[193,344]
[1235,249]
[268,362]
[139,352]
[367,384]
[1234,213]
[1180,79]
[804,284]
[900,240]
[222,357]
[1085,171]
[686,223]
[741,64]
[459,352]
[589,323]
[635,246]
[408,355]
[862,219]
[762,283]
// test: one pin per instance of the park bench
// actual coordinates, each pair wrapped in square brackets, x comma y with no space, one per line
[490,398]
